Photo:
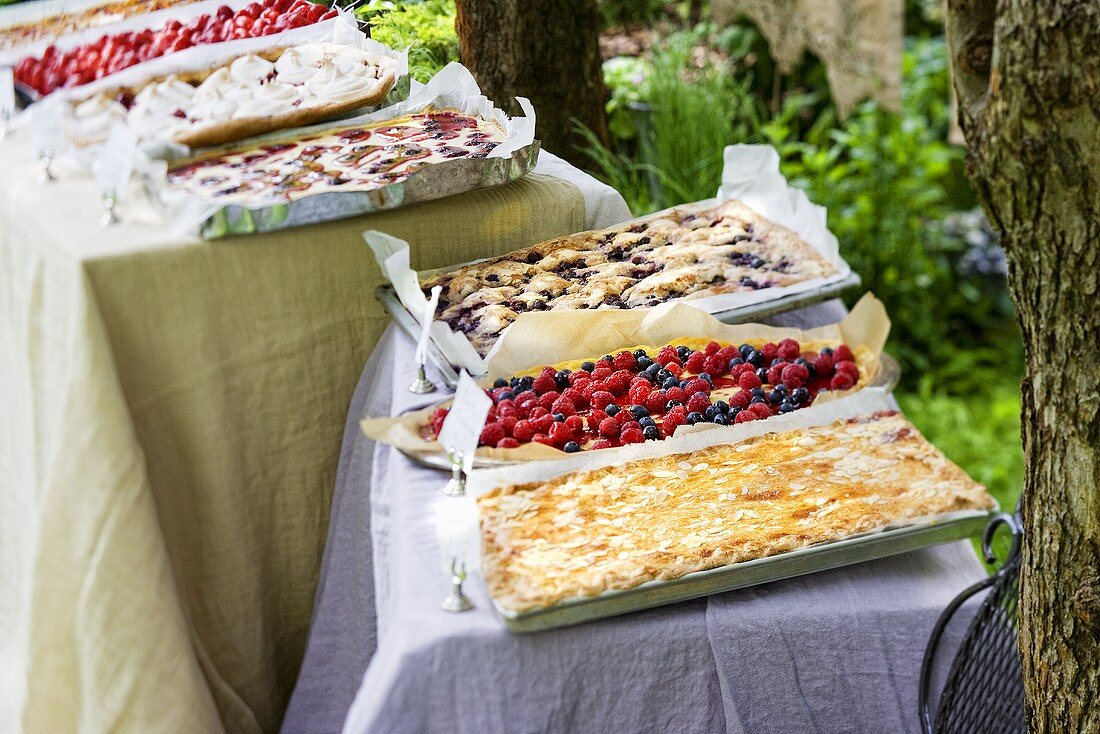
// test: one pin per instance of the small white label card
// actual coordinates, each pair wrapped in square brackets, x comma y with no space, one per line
[456,526]
[7,94]
[426,320]
[116,162]
[46,128]
[462,427]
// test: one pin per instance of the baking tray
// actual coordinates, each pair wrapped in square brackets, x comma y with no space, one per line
[886,380]
[408,324]
[434,181]
[821,557]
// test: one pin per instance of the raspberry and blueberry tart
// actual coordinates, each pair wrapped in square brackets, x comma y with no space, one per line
[646,393]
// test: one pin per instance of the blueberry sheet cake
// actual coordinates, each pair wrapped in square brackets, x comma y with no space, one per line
[686,252]
[588,532]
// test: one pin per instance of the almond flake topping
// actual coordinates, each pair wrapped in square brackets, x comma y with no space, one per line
[616,527]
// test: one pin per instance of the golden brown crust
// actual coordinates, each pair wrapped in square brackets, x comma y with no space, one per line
[588,532]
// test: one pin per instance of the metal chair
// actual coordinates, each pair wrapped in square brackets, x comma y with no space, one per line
[984,690]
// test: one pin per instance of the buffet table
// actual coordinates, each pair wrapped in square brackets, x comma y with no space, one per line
[171,421]
[835,651]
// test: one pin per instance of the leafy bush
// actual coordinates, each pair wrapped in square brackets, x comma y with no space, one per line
[674,112]
[627,81]
[888,181]
[980,432]
[426,28]
[622,12]
[696,108]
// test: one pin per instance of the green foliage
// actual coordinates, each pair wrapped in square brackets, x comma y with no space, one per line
[980,432]
[704,107]
[630,179]
[888,180]
[675,112]
[627,80]
[623,12]
[426,28]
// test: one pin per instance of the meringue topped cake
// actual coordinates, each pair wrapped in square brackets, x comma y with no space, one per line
[250,95]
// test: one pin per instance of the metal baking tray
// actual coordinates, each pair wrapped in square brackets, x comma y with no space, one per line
[821,557]
[887,379]
[751,312]
[434,181]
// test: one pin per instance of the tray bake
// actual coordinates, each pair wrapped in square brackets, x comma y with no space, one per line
[712,253]
[885,380]
[27,22]
[570,541]
[857,549]
[85,57]
[665,371]
[241,96]
[434,182]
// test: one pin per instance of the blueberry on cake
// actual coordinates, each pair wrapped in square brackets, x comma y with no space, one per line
[688,252]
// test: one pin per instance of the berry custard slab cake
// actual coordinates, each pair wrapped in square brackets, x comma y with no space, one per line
[646,393]
[361,158]
[691,251]
[589,532]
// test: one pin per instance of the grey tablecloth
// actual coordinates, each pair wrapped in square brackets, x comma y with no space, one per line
[837,651]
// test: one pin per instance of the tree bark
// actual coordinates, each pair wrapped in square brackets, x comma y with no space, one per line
[545,50]
[1027,75]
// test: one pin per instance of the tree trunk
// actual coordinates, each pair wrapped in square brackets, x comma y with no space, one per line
[1027,76]
[545,50]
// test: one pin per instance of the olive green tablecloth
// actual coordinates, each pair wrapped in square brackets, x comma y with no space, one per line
[172,412]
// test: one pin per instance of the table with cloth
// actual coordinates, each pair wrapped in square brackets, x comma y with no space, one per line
[830,652]
[171,414]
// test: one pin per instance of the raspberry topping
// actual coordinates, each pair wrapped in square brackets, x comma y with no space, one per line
[788,349]
[632,397]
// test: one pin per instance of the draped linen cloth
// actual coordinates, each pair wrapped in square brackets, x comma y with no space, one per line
[171,413]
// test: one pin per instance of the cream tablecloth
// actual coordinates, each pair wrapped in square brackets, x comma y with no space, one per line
[170,420]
